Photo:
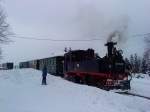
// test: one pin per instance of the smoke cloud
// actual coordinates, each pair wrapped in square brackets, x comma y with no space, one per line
[108,26]
[65,20]
[119,34]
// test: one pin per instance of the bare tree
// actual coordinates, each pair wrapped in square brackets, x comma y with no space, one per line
[4,28]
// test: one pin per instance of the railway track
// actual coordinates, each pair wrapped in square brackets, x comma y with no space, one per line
[133,94]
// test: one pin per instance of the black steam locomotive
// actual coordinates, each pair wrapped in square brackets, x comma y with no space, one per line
[109,72]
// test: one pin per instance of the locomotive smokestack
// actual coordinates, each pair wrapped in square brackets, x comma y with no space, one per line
[110,46]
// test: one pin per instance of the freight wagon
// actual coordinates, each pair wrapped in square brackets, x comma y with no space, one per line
[54,65]
[7,66]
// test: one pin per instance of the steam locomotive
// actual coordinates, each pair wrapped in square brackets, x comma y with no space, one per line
[109,72]
[85,67]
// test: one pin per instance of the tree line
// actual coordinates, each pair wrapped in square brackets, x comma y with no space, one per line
[139,64]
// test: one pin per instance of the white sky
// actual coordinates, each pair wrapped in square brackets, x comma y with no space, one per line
[73,19]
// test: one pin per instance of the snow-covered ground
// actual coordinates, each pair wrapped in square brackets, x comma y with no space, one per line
[140,84]
[21,91]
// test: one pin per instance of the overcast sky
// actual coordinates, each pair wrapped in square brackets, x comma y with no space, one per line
[73,19]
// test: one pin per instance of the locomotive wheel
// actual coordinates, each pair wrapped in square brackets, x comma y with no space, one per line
[70,78]
[101,85]
[77,79]
[87,80]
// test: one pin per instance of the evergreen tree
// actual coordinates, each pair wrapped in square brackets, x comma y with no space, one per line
[137,63]
[147,53]
[144,66]
[132,62]
[128,64]
[148,66]
[127,61]
[147,59]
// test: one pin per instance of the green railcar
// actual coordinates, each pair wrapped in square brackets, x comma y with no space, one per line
[54,65]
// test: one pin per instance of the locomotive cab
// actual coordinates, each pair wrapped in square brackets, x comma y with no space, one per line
[80,60]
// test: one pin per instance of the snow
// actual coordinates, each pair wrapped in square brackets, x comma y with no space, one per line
[140,84]
[21,91]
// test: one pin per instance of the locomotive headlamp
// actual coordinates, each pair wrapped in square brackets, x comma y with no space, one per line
[109,66]
[109,80]
[125,78]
